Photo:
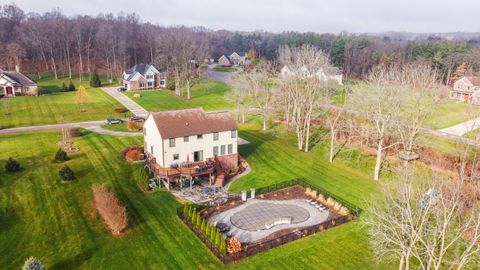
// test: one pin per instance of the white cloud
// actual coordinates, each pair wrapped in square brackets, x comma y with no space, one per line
[282,15]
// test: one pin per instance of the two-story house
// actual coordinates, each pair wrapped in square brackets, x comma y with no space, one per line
[144,76]
[467,89]
[233,58]
[190,145]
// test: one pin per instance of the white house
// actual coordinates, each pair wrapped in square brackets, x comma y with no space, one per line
[144,76]
[331,74]
[190,144]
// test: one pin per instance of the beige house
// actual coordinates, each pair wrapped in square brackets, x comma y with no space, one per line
[14,83]
[233,59]
[144,76]
[466,89]
[190,145]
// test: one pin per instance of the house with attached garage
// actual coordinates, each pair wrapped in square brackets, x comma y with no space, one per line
[467,89]
[233,58]
[14,83]
[144,76]
[183,147]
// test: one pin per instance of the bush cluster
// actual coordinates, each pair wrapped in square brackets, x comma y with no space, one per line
[66,174]
[110,209]
[12,166]
[95,81]
[61,156]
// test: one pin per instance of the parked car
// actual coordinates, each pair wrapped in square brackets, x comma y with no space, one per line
[223,227]
[136,119]
[113,121]
[121,89]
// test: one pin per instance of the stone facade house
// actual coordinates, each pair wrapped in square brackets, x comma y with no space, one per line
[233,59]
[14,83]
[466,89]
[144,76]
[190,145]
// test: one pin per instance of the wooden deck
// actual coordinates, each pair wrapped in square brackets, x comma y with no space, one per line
[186,171]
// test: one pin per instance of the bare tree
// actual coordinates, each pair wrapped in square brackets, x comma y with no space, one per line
[425,224]
[240,95]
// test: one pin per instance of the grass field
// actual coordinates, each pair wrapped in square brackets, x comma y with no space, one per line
[55,106]
[39,216]
[449,113]
[208,94]
[118,127]
[224,69]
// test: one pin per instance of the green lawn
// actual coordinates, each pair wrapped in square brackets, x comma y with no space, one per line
[118,127]
[39,216]
[55,106]
[224,69]
[208,94]
[474,134]
[449,113]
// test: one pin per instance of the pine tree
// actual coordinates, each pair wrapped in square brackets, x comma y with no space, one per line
[213,231]
[203,226]
[190,212]
[66,174]
[61,156]
[64,87]
[95,81]
[33,263]
[223,246]
[217,239]
[207,231]
[71,86]
[185,210]
[12,165]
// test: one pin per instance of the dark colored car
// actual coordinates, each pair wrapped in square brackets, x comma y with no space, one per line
[113,121]
[136,119]
[121,89]
[223,227]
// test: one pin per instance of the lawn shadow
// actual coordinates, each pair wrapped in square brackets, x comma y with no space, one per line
[8,218]
[76,261]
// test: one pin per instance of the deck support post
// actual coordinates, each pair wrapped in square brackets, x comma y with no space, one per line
[191,183]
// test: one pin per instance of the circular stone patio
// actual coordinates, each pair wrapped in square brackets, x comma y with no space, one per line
[255,216]
[248,220]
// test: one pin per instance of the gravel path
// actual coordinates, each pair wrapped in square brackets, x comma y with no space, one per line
[462,128]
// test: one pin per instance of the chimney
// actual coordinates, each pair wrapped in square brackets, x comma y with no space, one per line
[17,68]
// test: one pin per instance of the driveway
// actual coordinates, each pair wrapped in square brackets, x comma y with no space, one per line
[219,76]
[126,101]
[462,128]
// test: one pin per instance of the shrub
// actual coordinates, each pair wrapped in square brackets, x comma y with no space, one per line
[95,80]
[198,221]
[141,177]
[66,174]
[193,219]
[207,230]
[337,206]
[308,191]
[344,211]
[71,86]
[75,132]
[330,202]
[203,225]
[12,166]
[213,232]
[321,198]
[64,87]
[33,263]
[121,110]
[133,154]
[190,212]
[314,194]
[110,209]
[134,126]
[185,210]
[223,246]
[217,239]
[61,156]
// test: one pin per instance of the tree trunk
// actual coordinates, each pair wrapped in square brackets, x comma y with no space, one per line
[378,162]
[54,65]
[332,143]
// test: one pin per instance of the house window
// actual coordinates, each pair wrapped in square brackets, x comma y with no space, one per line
[151,149]
[215,136]
[234,133]
[171,142]
[150,84]
[162,82]
[149,77]
[186,139]
[215,151]
[200,136]
[222,150]
[176,156]
[142,84]
[230,148]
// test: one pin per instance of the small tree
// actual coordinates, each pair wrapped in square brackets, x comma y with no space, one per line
[61,156]
[82,97]
[208,229]
[12,166]
[198,221]
[64,87]
[185,210]
[71,86]
[66,174]
[33,263]
[193,219]
[190,212]
[95,81]
[203,226]
[213,231]
[223,246]
[217,239]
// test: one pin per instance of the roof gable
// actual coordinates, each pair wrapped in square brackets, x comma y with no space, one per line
[17,78]
[188,122]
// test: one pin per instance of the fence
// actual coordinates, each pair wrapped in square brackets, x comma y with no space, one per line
[262,245]
[354,210]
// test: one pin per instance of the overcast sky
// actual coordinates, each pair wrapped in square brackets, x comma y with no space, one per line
[279,15]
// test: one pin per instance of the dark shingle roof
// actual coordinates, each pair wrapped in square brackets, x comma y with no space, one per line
[188,122]
[140,68]
[19,79]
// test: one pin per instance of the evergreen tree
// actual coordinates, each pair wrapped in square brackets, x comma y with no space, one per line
[190,212]
[12,165]
[213,230]
[95,81]
[66,174]
[64,87]
[217,239]
[185,210]
[203,226]
[71,86]
[33,263]
[223,246]
[207,231]
[61,156]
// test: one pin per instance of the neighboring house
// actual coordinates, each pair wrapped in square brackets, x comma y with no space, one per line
[330,74]
[189,145]
[144,76]
[14,83]
[233,58]
[466,89]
